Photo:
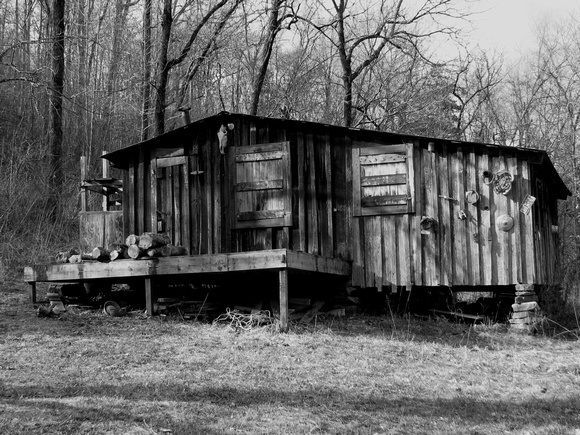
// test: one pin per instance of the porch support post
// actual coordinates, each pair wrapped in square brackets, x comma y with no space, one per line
[149,296]
[283,279]
[32,292]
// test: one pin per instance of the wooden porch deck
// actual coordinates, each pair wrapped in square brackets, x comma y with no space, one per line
[281,260]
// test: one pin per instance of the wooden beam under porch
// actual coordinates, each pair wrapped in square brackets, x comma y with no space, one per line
[282,260]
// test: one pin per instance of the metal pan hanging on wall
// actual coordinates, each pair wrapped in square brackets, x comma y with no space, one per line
[505,222]
[471,196]
[502,182]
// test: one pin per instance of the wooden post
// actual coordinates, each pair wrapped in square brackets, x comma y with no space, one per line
[283,278]
[32,292]
[149,296]
[84,192]
[105,190]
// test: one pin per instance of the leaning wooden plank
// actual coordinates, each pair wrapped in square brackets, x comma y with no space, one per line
[311,313]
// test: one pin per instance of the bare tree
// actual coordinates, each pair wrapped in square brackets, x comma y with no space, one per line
[146,85]
[280,14]
[165,64]
[56,104]
[361,32]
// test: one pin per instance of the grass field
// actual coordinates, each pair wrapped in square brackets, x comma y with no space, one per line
[87,373]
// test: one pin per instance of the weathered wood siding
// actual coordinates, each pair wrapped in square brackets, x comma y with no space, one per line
[287,184]
[468,251]
[100,228]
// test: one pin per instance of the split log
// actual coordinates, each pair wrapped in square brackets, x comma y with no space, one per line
[63,256]
[167,251]
[117,251]
[100,254]
[135,252]
[153,240]
[76,259]
[132,239]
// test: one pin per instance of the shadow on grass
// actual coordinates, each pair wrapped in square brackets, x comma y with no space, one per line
[134,403]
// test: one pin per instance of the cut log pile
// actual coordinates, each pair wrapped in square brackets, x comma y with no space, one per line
[146,245]
[526,311]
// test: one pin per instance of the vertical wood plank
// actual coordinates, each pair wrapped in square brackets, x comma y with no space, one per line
[176,191]
[84,192]
[503,240]
[459,226]
[311,198]
[330,252]
[105,168]
[390,249]
[416,246]
[300,227]
[185,206]
[324,194]
[527,228]
[141,188]
[356,176]
[129,198]
[283,291]
[485,204]
[167,199]
[411,168]
[282,237]
[339,196]
[149,296]
[218,163]
[403,251]
[514,234]
[153,215]
[473,235]
[373,252]
[431,199]
[445,210]
[347,201]
[208,195]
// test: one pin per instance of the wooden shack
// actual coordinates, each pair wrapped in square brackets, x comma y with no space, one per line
[400,210]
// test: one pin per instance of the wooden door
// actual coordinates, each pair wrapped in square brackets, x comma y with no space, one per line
[172,208]
[262,186]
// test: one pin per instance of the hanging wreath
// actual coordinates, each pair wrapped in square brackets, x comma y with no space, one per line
[502,182]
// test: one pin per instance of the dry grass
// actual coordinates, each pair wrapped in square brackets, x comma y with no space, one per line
[89,374]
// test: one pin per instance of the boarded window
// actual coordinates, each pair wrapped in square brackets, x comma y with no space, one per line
[262,186]
[383,180]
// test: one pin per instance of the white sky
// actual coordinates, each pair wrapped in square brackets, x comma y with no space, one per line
[508,25]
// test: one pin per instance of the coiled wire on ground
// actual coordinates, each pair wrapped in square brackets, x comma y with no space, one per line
[241,321]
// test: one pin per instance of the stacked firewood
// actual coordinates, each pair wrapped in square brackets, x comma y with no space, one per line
[152,245]
[147,245]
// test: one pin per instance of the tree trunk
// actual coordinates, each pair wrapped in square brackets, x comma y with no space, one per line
[56,106]
[264,54]
[145,89]
[162,68]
